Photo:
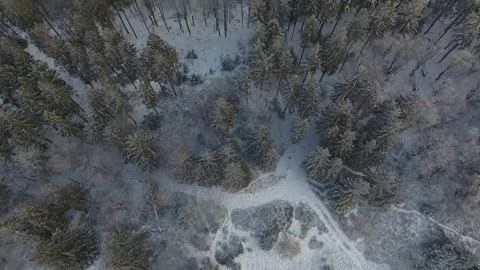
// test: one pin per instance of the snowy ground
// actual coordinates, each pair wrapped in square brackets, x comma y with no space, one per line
[366,239]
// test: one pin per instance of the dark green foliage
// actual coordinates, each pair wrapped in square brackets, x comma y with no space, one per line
[332,52]
[444,254]
[74,195]
[385,189]
[408,15]
[214,168]
[141,148]
[223,117]
[381,20]
[321,167]
[299,129]
[261,150]
[126,249]
[159,59]
[68,250]
[347,192]
[360,89]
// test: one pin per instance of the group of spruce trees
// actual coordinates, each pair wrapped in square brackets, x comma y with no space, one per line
[34,96]
[359,126]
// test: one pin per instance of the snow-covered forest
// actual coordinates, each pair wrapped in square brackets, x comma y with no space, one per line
[239,134]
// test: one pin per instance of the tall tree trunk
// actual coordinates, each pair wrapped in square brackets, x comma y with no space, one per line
[162,14]
[156,111]
[346,56]
[445,71]
[249,10]
[141,15]
[151,7]
[323,75]
[131,118]
[215,13]
[294,26]
[460,17]
[173,88]
[363,48]
[301,55]
[241,10]
[129,24]
[339,16]
[123,23]
[288,29]
[321,27]
[305,77]
[180,22]
[286,106]
[186,22]
[204,13]
[449,52]
[225,16]
[303,24]
[447,8]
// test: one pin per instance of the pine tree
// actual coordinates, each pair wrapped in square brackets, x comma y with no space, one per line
[274,32]
[209,168]
[361,89]
[223,117]
[126,249]
[65,126]
[32,158]
[299,129]
[384,189]
[309,99]
[24,12]
[149,97]
[261,67]
[141,149]
[408,16]
[449,256]
[311,34]
[160,60]
[338,114]
[68,249]
[122,55]
[261,150]
[117,100]
[326,8]
[331,53]
[381,21]
[185,162]
[46,216]
[100,115]
[320,166]
[342,144]
[347,192]
[236,173]
[237,176]
[24,127]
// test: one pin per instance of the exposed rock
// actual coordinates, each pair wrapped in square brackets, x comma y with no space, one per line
[265,221]
[287,246]
[227,251]
[308,219]
[198,216]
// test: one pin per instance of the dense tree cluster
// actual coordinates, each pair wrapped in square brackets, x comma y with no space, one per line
[57,243]
[224,167]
